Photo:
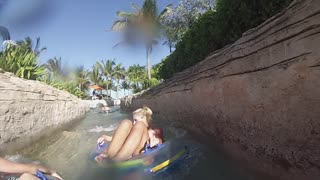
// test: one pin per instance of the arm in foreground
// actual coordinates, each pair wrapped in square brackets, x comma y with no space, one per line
[7,166]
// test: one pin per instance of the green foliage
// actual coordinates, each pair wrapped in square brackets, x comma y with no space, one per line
[142,25]
[69,86]
[176,21]
[217,28]
[81,78]
[125,85]
[106,68]
[136,75]
[20,59]
[75,81]
[138,79]
[54,66]
[118,74]
[95,76]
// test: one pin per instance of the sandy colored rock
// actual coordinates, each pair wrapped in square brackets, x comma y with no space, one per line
[258,98]
[29,109]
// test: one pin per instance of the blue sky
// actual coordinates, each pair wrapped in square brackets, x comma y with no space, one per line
[77,30]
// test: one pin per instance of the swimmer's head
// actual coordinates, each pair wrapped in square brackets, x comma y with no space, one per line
[142,114]
[156,136]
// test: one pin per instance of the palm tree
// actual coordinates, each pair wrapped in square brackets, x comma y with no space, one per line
[143,21]
[136,75]
[81,78]
[54,67]
[106,67]
[125,86]
[118,74]
[27,44]
[112,87]
[95,76]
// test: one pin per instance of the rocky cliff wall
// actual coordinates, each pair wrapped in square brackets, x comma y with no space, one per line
[258,98]
[30,109]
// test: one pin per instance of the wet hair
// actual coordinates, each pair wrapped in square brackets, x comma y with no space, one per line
[158,133]
[145,111]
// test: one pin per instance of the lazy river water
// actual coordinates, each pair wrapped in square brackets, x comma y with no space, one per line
[68,153]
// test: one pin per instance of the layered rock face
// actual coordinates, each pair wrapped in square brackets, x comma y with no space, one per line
[30,109]
[258,98]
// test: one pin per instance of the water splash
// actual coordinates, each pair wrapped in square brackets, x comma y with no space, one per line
[112,127]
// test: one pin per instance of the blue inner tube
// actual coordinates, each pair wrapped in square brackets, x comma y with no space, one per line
[39,175]
[153,161]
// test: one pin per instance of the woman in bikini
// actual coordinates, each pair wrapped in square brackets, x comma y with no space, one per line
[130,138]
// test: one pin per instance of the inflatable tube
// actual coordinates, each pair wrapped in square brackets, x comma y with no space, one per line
[153,161]
[19,159]
[39,174]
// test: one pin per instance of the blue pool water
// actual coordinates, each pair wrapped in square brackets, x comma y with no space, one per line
[68,152]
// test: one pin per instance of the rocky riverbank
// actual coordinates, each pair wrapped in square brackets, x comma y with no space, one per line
[257,98]
[30,109]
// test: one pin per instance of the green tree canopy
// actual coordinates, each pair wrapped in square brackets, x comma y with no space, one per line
[140,25]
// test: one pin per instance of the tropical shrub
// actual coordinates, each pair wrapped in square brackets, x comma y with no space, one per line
[75,81]
[20,59]
[69,86]
[216,29]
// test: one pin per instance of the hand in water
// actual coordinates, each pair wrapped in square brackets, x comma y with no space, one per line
[47,171]
[104,138]
[99,159]
[56,176]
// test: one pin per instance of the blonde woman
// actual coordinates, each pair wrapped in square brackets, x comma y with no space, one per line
[130,138]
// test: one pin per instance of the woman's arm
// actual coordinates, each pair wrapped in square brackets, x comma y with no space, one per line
[7,166]
[12,167]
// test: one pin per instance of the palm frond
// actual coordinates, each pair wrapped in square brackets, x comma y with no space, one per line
[36,47]
[123,14]
[165,10]
[4,32]
[134,6]
[119,43]
[119,25]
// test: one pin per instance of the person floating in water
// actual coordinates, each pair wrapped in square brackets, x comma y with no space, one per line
[130,138]
[28,171]
[102,104]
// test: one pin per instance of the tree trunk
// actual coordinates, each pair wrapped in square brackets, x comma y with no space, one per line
[117,94]
[148,62]
[107,87]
